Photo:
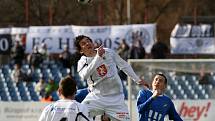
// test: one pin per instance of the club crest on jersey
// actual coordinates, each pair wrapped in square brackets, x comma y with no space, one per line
[102,70]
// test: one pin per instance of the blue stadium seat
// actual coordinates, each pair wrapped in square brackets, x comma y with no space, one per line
[65,72]
[23,92]
[4,96]
[30,87]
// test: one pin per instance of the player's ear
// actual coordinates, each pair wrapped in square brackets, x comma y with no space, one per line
[81,51]
[59,91]
[165,86]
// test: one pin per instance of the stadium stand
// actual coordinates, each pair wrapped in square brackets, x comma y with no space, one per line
[24,91]
[183,86]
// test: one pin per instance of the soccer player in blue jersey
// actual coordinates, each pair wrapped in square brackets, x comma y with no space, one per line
[153,105]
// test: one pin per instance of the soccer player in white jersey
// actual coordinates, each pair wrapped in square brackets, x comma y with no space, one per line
[65,109]
[99,67]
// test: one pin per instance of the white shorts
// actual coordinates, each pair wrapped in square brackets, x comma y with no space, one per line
[114,106]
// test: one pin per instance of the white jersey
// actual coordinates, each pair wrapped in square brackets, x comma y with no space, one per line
[101,73]
[64,110]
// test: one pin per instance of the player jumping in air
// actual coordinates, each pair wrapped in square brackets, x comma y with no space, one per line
[99,67]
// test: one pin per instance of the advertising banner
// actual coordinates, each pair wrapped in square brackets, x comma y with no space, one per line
[193,39]
[196,110]
[21,111]
[189,110]
[5,43]
[110,36]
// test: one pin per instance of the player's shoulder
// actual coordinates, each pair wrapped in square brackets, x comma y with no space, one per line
[145,91]
[82,107]
[49,107]
[82,58]
[80,104]
[167,98]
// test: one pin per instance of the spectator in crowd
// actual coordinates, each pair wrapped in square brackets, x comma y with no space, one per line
[154,105]
[18,53]
[18,74]
[44,51]
[66,109]
[136,51]
[40,87]
[203,77]
[65,57]
[123,49]
[159,50]
[98,67]
[51,86]
[47,98]
[35,58]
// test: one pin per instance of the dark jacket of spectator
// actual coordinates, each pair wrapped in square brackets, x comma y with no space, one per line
[123,50]
[159,50]
[18,53]
[65,58]
[35,58]
[137,51]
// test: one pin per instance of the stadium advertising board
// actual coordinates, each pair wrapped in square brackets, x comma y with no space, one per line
[190,110]
[21,111]
[5,40]
[5,43]
[193,39]
[110,36]
[196,110]
[8,36]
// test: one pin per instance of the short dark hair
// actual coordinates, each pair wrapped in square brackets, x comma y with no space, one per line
[68,86]
[78,39]
[160,74]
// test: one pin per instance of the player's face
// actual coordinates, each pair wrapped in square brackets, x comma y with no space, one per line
[86,46]
[158,83]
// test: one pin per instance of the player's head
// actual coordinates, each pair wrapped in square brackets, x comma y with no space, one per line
[83,43]
[67,87]
[159,82]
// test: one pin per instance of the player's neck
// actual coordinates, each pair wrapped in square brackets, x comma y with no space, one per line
[91,53]
[68,97]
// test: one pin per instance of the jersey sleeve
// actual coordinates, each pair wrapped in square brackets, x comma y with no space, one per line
[124,66]
[45,113]
[173,115]
[144,99]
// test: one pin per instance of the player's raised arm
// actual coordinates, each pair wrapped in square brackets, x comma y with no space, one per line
[125,67]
